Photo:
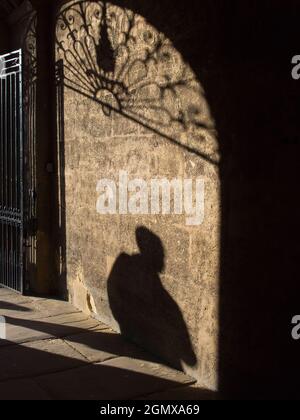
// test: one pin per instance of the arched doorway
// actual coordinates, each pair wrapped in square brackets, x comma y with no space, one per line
[131,102]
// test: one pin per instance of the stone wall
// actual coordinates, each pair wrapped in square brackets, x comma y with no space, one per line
[141,110]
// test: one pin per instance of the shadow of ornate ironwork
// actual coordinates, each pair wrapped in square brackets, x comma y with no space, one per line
[114,57]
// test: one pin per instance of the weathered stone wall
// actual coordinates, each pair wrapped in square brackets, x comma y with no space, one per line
[149,117]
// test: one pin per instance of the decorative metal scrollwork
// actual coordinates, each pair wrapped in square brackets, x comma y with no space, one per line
[116,58]
[30,51]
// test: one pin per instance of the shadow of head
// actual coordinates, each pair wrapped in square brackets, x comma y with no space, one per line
[143,308]
[151,249]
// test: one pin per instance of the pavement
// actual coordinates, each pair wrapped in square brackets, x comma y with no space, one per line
[53,351]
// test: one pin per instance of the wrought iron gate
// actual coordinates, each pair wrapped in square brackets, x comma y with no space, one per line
[11,172]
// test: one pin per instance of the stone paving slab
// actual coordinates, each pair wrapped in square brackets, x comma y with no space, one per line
[124,380]
[102,345]
[188,393]
[37,358]
[54,351]
[22,390]
[31,307]
[155,369]
[25,330]
[6,292]
[24,311]
[15,299]
[54,307]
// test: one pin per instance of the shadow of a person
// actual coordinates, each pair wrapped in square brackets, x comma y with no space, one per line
[144,310]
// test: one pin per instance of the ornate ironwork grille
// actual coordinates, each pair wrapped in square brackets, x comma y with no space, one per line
[11,172]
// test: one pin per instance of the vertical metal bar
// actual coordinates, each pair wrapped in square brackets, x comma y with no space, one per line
[21,174]
[11,172]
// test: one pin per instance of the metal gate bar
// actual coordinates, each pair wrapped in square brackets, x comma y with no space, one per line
[11,172]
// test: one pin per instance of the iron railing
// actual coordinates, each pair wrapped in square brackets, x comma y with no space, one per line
[11,172]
